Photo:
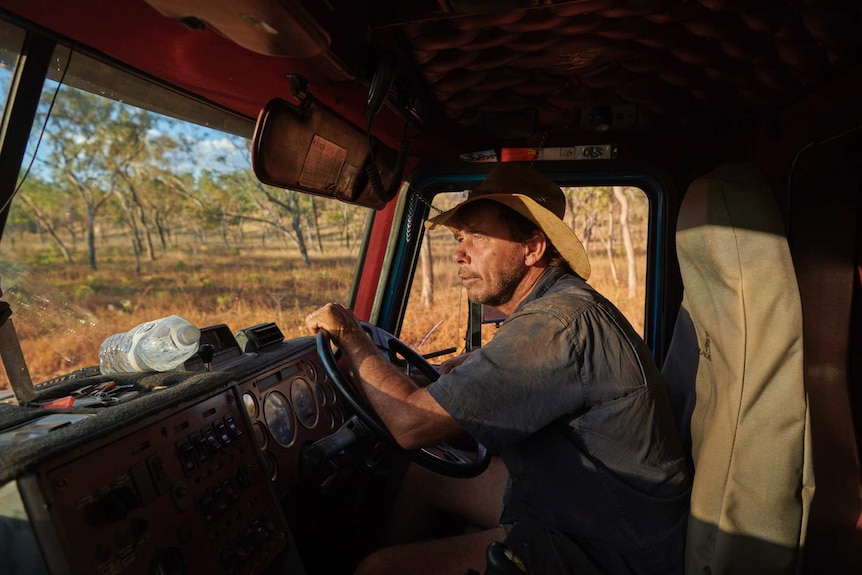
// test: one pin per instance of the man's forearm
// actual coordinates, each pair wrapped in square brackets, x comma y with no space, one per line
[409,412]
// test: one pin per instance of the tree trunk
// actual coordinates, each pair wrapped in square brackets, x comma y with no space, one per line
[622,199]
[345,218]
[91,238]
[163,239]
[45,223]
[587,234]
[316,225]
[609,246]
[427,266]
[296,223]
[136,249]
[569,217]
[151,251]
[142,234]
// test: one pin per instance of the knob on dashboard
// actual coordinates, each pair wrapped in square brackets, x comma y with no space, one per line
[206,351]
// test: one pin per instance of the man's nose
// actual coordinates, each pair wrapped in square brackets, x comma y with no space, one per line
[459,256]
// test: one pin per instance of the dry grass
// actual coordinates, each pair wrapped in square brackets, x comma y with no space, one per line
[63,312]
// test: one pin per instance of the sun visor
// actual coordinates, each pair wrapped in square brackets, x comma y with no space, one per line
[283,28]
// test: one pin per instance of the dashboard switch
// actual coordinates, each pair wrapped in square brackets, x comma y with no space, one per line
[186,452]
[212,440]
[234,431]
[221,431]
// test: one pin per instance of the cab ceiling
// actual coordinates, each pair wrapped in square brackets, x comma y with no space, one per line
[509,67]
[672,60]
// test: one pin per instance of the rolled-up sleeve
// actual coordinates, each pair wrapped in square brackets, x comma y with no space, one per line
[511,388]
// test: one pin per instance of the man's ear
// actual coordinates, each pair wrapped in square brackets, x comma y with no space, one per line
[535,248]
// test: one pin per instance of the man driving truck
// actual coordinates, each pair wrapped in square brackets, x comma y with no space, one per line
[566,393]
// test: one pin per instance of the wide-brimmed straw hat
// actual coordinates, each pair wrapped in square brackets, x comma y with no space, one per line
[536,198]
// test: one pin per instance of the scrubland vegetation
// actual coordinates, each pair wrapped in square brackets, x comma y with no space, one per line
[63,312]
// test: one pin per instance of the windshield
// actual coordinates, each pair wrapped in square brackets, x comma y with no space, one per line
[135,202]
[611,221]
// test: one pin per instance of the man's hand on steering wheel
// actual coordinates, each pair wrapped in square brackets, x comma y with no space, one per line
[362,342]
[337,321]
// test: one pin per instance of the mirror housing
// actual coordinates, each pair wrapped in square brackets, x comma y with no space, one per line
[311,149]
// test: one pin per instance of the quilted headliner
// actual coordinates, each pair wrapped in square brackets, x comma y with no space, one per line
[665,56]
[515,67]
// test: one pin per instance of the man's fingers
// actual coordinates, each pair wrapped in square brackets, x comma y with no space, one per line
[332,318]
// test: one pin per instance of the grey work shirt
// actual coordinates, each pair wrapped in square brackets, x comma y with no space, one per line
[570,397]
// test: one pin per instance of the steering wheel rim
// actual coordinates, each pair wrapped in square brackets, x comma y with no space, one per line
[454,462]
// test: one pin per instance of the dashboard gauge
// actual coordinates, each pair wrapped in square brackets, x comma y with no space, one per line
[279,418]
[328,419]
[250,403]
[328,391]
[319,393]
[304,402]
[311,372]
[337,417]
[259,434]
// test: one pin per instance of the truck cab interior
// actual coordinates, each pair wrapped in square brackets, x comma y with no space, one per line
[740,123]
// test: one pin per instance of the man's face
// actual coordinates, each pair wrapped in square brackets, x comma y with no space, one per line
[490,264]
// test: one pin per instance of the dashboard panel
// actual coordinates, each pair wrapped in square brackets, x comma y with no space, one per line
[106,510]
[186,477]
[288,407]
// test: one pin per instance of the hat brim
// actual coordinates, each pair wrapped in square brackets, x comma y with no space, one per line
[560,235]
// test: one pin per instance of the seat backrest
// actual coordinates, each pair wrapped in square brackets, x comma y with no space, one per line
[736,378]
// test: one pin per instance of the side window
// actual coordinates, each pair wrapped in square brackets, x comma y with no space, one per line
[612,223]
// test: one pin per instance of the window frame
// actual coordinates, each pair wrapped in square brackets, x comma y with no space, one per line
[402,258]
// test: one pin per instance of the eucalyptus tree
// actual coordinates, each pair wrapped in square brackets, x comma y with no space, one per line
[622,199]
[591,211]
[49,211]
[126,157]
[286,211]
[77,156]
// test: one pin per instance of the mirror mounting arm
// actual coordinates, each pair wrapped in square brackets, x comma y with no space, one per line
[374,178]
[299,90]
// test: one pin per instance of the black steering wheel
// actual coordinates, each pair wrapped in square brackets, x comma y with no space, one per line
[442,458]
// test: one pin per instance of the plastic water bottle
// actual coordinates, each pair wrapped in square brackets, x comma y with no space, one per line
[160,345]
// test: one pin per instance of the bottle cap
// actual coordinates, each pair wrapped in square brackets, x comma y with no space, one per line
[188,334]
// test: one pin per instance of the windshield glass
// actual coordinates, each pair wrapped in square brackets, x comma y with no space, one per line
[612,223]
[135,202]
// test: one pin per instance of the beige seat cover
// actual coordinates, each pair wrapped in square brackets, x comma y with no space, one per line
[750,439]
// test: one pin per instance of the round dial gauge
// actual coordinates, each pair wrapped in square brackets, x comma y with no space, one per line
[311,371]
[337,417]
[319,393]
[250,403]
[328,419]
[259,434]
[279,418]
[304,402]
[330,392]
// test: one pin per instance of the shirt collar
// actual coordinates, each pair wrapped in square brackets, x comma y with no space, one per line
[548,279]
